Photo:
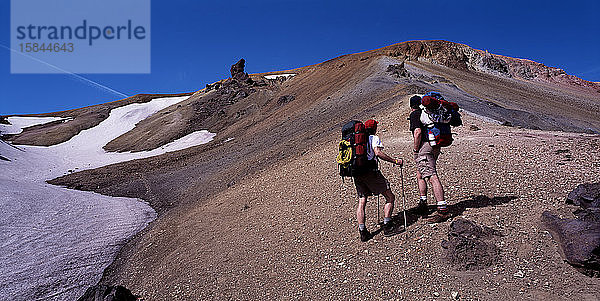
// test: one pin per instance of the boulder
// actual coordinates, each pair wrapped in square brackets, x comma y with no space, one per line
[108,293]
[210,87]
[585,196]
[578,239]
[471,247]
[285,99]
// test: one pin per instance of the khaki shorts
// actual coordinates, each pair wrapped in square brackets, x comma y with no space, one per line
[426,160]
[371,183]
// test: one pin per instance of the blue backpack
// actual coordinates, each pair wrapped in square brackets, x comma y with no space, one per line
[438,130]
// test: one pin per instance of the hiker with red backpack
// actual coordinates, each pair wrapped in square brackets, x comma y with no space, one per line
[430,122]
[360,150]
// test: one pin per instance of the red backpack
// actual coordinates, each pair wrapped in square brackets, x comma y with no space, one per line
[438,115]
[352,157]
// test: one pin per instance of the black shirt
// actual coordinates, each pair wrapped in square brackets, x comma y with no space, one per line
[415,123]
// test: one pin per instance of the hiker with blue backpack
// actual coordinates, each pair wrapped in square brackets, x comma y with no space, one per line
[359,154]
[430,122]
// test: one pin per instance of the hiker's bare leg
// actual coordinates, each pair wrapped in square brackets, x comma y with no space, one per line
[389,203]
[360,210]
[436,184]
[438,190]
[422,184]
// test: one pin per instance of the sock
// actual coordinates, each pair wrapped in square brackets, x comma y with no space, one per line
[423,199]
[387,220]
[441,206]
[361,227]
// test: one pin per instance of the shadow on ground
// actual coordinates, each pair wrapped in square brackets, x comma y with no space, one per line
[478,201]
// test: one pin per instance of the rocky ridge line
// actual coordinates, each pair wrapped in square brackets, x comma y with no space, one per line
[460,56]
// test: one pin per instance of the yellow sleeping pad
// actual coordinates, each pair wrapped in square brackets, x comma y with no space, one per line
[345,152]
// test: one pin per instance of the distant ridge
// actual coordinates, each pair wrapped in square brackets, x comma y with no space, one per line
[464,57]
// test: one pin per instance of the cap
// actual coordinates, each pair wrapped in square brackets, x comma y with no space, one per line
[371,124]
[415,101]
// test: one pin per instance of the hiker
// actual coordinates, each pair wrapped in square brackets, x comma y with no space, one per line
[373,183]
[425,158]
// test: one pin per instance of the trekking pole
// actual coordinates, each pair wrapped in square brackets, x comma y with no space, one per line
[378,222]
[403,196]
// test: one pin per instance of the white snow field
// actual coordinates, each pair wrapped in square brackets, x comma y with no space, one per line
[56,242]
[17,124]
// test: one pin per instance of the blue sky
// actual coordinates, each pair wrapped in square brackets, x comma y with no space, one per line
[195,42]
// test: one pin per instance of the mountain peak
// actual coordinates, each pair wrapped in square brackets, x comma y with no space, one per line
[463,57]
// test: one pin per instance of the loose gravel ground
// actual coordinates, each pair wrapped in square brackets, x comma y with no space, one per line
[290,231]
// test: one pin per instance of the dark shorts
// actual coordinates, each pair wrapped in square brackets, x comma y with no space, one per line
[371,183]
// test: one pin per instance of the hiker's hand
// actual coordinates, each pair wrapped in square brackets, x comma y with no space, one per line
[399,162]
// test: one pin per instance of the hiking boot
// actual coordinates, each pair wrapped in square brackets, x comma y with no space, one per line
[439,217]
[422,208]
[390,229]
[364,235]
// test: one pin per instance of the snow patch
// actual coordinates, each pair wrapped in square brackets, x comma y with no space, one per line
[195,138]
[85,150]
[56,242]
[18,123]
[275,76]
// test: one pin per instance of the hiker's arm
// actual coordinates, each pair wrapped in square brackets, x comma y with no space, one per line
[379,153]
[417,140]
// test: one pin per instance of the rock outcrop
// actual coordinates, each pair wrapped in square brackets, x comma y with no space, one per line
[238,98]
[237,72]
[108,293]
[495,64]
[285,99]
[463,57]
[585,196]
[471,247]
[398,70]
[579,238]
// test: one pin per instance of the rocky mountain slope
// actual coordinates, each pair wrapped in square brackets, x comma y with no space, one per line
[261,212]
[280,235]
